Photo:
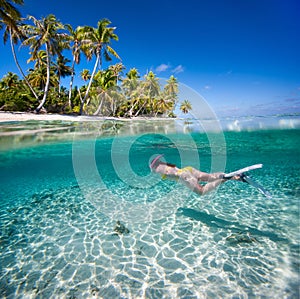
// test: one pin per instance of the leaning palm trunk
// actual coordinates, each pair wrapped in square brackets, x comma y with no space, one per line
[71,81]
[133,107]
[130,112]
[141,108]
[38,109]
[90,83]
[19,67]
[59,86]
[102,96]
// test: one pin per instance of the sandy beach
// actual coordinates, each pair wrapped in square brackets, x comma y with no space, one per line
[25,116]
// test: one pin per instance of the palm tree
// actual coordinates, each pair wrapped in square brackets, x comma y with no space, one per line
[171,90]
[39,57]
[185,106]
[151,85]
[131,88]
[44,32]
[62,69]
[161,106]
[75,39]
[85,75]
[11,19]
[10,80]
[147,92]
[117,70]
[96,41]
[106,82]
[131,82]
[9,14]
[172,86]
[38,77]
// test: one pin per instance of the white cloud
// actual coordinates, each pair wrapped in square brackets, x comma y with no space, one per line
[162,68]
[207,87]
[165,67]
[178,69]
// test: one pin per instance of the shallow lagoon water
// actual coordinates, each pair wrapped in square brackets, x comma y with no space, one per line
[64,186]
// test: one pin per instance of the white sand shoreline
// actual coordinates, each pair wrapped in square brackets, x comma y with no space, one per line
[25,116]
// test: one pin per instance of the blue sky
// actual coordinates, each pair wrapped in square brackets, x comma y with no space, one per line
[241,56]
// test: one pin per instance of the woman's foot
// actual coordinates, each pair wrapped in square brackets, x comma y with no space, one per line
[239,177]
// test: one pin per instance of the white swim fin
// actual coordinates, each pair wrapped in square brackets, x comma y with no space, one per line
[243,170]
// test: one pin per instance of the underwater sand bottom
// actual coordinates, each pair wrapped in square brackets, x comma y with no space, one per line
[57,244]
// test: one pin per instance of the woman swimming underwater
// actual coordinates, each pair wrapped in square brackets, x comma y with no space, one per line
[190,176]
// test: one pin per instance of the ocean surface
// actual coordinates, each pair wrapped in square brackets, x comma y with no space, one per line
[82,216]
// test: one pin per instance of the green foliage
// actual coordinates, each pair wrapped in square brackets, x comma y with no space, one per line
[172,115]
[105,91]
[134,97]
[56,103]
[16,97]
[185,106]
[76,109]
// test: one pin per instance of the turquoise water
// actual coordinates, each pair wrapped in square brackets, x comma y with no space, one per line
[64,186]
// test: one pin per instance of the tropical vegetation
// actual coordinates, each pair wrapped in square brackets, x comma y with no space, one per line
[106,91]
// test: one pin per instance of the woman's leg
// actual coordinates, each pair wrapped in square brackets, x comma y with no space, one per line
[206,177]
[192,182]
[210,186]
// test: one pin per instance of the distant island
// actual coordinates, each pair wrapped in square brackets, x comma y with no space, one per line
[106,92]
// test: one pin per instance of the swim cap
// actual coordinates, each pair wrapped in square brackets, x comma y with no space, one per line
[154,161]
